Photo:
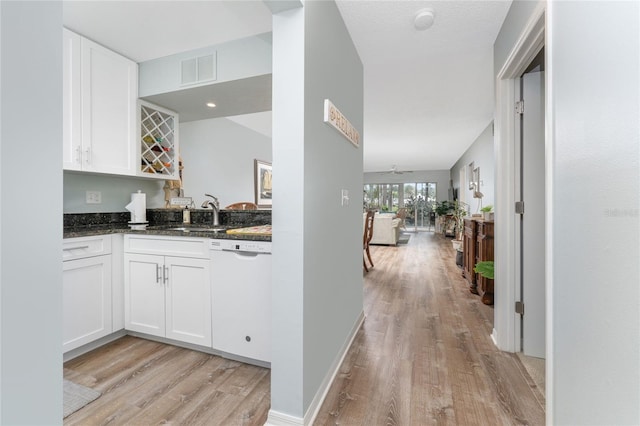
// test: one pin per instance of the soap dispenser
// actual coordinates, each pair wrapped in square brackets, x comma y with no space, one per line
[186,215]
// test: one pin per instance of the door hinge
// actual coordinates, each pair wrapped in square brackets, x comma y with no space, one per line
[520,308]
[519,207]
[520,107]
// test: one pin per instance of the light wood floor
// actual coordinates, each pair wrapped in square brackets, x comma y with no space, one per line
[423,356]
[148,383]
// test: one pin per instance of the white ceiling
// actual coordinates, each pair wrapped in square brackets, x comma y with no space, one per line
[428,94]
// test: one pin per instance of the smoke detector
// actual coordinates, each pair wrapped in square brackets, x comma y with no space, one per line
[424,19]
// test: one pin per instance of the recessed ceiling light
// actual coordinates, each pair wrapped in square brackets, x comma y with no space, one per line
[211,105]
[424,19]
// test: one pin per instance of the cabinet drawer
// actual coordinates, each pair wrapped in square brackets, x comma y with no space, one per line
[167,246]
[77,248]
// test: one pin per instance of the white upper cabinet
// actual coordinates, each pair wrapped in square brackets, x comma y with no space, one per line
[71,108]
[100,94]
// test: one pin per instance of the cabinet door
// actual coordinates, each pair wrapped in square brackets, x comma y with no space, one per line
[241,307]
[71,102]
[86,300]
[188,300]
[144,294]
[109,93]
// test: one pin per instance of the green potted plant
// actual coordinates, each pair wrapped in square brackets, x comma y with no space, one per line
[443,208]
[459,211]
[484,268]
[451,218]
[487,212]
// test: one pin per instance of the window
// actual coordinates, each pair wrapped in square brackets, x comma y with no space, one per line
[419,199]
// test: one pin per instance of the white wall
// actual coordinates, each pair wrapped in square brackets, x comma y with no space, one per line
[317,266]
[594,110]
[218,156]
[481,154]
[30,213]
[288,214]
[512,27]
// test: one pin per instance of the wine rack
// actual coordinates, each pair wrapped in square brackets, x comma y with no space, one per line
[158,141]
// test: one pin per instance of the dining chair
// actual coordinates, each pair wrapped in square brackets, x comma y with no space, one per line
[402,215]
[243,205]
[368,233]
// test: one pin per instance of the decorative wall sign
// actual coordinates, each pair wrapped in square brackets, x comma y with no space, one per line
[335,118]
[262,178]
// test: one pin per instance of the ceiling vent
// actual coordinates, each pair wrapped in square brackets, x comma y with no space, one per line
[198,70]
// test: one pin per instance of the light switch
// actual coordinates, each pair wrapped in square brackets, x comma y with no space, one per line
[345,197]
[94,197]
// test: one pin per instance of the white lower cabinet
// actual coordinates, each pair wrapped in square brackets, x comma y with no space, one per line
[86,293]
[167,296]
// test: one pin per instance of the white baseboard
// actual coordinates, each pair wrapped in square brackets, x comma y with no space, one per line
[280,419]
[74,353]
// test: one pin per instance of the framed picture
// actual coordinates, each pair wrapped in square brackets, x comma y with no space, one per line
[470,168]
[262,183]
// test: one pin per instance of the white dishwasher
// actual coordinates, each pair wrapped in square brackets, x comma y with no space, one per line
[241,298]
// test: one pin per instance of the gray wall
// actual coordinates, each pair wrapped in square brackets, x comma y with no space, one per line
[440,177]
[594,109]
[115,190]
[317,272]
[30,191]
[218,156]
[237,59]
[481,154]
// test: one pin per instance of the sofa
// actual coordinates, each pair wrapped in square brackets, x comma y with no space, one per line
[386,228]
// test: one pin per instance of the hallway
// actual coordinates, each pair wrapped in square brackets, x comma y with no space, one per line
[424,354]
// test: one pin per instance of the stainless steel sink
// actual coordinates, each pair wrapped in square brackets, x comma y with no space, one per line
[196,229]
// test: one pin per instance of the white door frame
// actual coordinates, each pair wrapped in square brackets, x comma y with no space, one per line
[506,332]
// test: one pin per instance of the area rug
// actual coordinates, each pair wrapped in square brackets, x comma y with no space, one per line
[77,396]
[404,238]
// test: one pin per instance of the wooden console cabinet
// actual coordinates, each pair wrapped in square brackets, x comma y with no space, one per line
[478,247]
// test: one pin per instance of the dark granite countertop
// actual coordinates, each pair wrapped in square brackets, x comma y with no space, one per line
[164,222]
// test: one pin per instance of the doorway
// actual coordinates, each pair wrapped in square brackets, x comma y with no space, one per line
[420,200]
[530,208]
[506,333]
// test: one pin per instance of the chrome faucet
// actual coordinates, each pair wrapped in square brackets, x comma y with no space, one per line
[215,205]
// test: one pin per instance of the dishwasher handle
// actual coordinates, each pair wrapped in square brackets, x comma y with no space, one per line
[243,253]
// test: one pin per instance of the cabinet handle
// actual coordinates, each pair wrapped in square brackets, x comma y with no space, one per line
[166,274]
[78,155]
[87,155]
[157,273]
[75,248]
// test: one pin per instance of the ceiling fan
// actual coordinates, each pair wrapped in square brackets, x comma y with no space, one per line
[394,171]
